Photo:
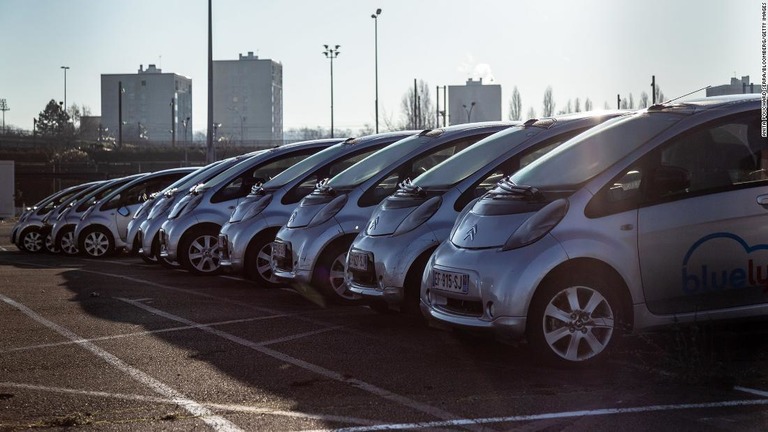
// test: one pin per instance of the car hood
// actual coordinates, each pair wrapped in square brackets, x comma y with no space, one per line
[308,208]
[474,231]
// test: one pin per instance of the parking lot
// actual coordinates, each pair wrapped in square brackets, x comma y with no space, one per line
[117,344]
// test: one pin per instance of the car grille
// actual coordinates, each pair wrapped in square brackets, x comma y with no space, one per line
[365,278]
[463,307]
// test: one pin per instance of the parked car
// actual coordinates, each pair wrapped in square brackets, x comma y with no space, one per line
[26,234]
[102,228]
[647,220]
[143,228]
[190,235]
[51,217]
[63,228]
[310,250]
[245,241]
[386,260]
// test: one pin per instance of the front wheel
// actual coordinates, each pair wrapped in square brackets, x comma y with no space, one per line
[328,275]
[574,323]
[50,245]
[32,241]
[199,252]
[67,243]
[97,243]
[257,266]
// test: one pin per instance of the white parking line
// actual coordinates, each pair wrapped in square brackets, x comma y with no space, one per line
[222,407]
[362,385]
[214,421]
[134,334]
[549,416]
[3,249]
[755,392]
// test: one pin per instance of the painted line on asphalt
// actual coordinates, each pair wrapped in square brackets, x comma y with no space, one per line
[214,421]
[755,392]
[3,249]
[135,334]
[362,385]
[222,407]
[550,416]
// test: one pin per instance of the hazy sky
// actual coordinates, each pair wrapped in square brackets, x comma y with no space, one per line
[582,48]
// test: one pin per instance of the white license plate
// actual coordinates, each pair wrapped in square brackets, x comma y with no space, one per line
[358,261]
[279,250]
[450,281]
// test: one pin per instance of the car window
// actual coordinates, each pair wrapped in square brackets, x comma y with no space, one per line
[714,158]
[241,185]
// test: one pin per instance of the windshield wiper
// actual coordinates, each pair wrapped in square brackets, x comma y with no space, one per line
[408,189]
[506,189]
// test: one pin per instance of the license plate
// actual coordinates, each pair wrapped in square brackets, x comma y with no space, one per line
[358,261]
[450,281]
[279,250]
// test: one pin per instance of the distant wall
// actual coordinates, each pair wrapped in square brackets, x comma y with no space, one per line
[7,181]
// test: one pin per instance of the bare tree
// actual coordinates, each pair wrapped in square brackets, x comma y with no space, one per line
[587,105]
[531,113]
[515,106]
[631,101]
[548,108]
[643,103]
[577,105]
[417,108]
[659,94]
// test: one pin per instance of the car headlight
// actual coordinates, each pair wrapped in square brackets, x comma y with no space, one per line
[191,205]
[257,207]
[420,215]
[160,207]
[538,225]
[328,211]
[461,215]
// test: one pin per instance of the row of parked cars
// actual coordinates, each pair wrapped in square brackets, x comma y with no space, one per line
[563,231]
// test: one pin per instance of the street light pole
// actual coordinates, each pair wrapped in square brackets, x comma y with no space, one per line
[173,122]
[65,87]
[331,53]
[375,17]
[469,111]
[120,114]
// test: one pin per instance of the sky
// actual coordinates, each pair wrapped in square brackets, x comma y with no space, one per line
[592,49]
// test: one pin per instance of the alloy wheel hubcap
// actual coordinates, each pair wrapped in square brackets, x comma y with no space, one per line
[33,241]
[204,253]
[96,244]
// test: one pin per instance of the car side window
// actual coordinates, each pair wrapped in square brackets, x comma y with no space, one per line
[412,169]
[713,158]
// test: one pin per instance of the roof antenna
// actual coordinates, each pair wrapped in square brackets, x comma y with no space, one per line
[658,105]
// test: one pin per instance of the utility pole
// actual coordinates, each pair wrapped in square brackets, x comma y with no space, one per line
[618,101]
[4,108]
[119,114]
[210,155]
[173,122]
[653,89]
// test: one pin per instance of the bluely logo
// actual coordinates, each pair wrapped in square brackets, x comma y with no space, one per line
[709,275]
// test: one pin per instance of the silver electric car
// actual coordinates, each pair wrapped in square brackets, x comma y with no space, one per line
[245,240]
[386,261]
[142,229]
[102,228]
[63,228]
[310,250]
[190,235]
[647,220]
[27,234]
[51,217]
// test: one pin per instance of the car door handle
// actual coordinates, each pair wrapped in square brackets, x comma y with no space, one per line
[763,200]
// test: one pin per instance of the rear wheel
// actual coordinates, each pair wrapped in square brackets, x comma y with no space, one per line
[199,251]
[328,275]
[574,322]
[97,243]
[32,241]
[257,266]
[50,245]
[67,243]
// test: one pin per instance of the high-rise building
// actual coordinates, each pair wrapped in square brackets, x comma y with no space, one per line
[474,102]
[248,100]
[156,106]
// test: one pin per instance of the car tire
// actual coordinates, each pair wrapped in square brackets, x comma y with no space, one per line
[32,241]
[96,243]
[574,320]
[199,251]
[50,245]
[328,276]
[257,266]
[152,256]
[66,241]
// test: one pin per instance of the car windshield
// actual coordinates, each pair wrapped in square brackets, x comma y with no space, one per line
[377,162]
[198,176]
[591,152]
[302,167]
[468,161]
[225,175]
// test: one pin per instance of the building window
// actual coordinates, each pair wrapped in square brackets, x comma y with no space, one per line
[143,83]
